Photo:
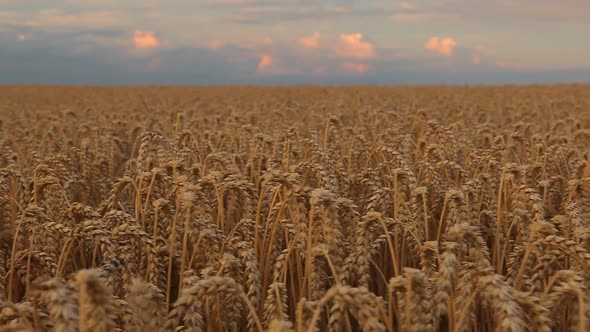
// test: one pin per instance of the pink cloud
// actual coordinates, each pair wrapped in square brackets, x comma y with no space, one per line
[444,46]
[24,37]
[269,64]
[358,68]
[319,54]
[145,39]
[215,44]
[353,46]
[312,41]
[265,62]
[476,59]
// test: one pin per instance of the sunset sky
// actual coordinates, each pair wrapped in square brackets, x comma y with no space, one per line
[294,41]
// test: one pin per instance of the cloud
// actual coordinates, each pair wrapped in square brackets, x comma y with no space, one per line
[315,54]
[325,55]
[358,68]
[442,46]
[145,40]
[215,44]
[350,46]
[265,62]
[276,64]
[24,36]
[353,46]
[312,41]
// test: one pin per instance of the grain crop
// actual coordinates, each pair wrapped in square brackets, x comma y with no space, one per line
[295,208]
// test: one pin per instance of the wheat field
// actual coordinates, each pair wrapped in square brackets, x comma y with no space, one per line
[295,208]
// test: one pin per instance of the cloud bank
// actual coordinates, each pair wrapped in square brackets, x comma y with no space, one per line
[260,42]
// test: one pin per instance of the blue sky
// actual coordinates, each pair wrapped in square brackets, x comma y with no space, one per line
[294,41]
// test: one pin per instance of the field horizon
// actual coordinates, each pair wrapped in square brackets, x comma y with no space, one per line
[294,85]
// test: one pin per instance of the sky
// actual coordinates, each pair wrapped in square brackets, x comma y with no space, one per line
[213,42]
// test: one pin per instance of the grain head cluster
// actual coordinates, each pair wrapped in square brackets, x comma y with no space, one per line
[295,209]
